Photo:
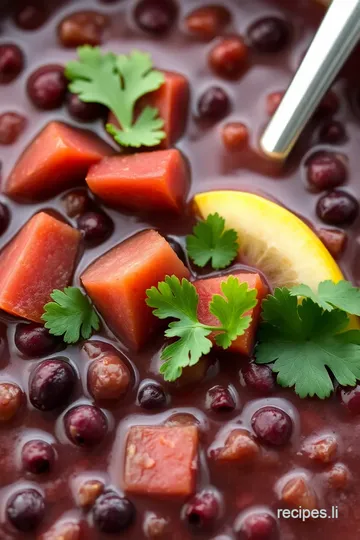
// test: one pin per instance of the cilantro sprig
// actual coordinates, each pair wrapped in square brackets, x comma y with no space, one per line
[210,242]
[118,82]
[70,315]
[307,340]
[342,295]
[179,300]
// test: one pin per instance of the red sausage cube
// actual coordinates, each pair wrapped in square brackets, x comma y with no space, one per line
[206,288]
[172,102]
[240,447]
[149,181]
[39,259]
[58,157]
[161,461]
[117,283]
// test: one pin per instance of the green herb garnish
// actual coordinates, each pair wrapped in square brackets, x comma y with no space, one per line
[342,295]
[307,340]
[70,315]
[210,242]
[118,82]
[179,300]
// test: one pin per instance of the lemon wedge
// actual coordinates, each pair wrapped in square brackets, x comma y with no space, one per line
[272,238]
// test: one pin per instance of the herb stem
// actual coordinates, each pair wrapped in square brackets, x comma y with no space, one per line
[213,328]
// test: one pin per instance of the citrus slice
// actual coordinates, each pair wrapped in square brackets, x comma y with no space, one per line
[272,238]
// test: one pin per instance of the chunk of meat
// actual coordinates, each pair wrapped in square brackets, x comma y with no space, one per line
[117,283]
[339,476]
[156,526]
[67,530]
[58,157]
[334,240]
[11,399]
[148,181]
[39,259]
[161,460]
[323,450]
[172,102]
[88,492]
[239,447]
[206,288]
[298,492]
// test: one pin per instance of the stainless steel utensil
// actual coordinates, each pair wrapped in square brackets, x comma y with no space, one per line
[332,44]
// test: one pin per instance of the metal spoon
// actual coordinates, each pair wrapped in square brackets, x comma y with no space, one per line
[332,44]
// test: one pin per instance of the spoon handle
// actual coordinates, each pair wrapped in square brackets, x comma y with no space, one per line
[332,44]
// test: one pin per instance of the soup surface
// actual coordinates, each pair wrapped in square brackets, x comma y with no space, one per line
[237,496]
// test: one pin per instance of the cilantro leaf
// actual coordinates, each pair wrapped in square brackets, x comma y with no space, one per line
[93,76]
[305,342]
[187,350]
[210,242]
[280,310]
[118,82]
[146,131]
[173,298]
[230,310]
[138,77]
[342,295]
[70,315]
[179,300]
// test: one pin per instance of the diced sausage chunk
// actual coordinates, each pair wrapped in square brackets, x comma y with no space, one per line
[239,447]
[149,181]
[88,492]
[58,158]
[172,102]
[68,530]
[334,240]
[11,398]
[39,259]
[206,288]
[117,283]
[298,492]
[323,450]
[339,476]
[156,526]
[161,460]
